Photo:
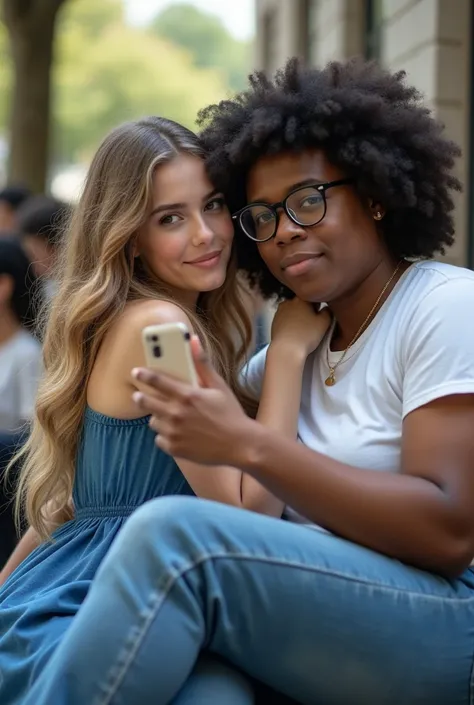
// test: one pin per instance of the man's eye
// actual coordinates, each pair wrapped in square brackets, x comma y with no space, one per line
[263,218]
[311,201]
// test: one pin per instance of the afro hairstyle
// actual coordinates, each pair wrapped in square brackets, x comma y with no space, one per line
[369,123]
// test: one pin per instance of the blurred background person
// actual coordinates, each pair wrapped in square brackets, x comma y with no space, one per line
[40,223]
[20,352]
[20,368]
[11,199]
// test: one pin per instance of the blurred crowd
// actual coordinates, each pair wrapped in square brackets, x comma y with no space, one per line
[30,229]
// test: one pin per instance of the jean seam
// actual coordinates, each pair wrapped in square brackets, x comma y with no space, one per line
[158,596]
[326,571]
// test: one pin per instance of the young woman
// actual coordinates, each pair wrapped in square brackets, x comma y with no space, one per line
[345,179]
[151,241]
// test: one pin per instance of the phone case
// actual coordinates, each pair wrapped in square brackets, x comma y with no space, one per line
[167,349]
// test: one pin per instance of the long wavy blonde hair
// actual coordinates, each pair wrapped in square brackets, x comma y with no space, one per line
[97,277]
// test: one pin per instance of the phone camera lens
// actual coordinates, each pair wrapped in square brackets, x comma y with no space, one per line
[156,351]
[154,338]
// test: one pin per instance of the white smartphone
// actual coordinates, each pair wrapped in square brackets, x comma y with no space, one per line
[168,349]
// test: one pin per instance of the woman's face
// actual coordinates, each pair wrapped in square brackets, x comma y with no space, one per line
[327,261]
[187,238]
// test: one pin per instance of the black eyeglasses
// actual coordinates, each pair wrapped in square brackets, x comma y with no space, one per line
[305,206]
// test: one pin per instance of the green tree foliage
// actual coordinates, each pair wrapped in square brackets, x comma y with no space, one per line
[108,72]
[208,41]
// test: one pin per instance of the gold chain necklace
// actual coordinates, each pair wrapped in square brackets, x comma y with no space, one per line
[331,379]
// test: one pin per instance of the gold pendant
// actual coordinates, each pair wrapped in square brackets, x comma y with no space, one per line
[331,380]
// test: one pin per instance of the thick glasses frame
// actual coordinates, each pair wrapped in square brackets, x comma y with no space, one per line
[275,207]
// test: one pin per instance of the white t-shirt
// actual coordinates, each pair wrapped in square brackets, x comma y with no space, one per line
[418,348]
[20,370]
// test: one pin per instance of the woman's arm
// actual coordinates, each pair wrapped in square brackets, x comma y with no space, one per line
[297,330]
[28,542]
[278,410]
[31,540]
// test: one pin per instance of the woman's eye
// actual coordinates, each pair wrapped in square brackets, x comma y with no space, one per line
[216,204]
[169,219]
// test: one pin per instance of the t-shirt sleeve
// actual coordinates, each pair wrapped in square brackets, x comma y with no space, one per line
[438,358]
[28,376]
[251,376]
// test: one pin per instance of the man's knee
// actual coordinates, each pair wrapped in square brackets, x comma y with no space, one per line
[154,519]
[167,521]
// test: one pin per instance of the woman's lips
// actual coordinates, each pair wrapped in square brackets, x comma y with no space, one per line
[207,261]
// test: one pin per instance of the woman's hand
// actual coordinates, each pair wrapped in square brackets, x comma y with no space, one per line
[204,424]
[297,324]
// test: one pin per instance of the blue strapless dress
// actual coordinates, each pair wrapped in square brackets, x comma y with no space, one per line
[118,468]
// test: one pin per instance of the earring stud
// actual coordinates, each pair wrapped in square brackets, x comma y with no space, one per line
[378,216]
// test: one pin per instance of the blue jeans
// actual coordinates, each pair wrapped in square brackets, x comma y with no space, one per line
[314,616]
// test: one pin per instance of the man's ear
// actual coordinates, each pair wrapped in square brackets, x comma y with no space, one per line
[376,209]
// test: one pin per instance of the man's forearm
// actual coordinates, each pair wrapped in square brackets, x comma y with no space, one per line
[406,517]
